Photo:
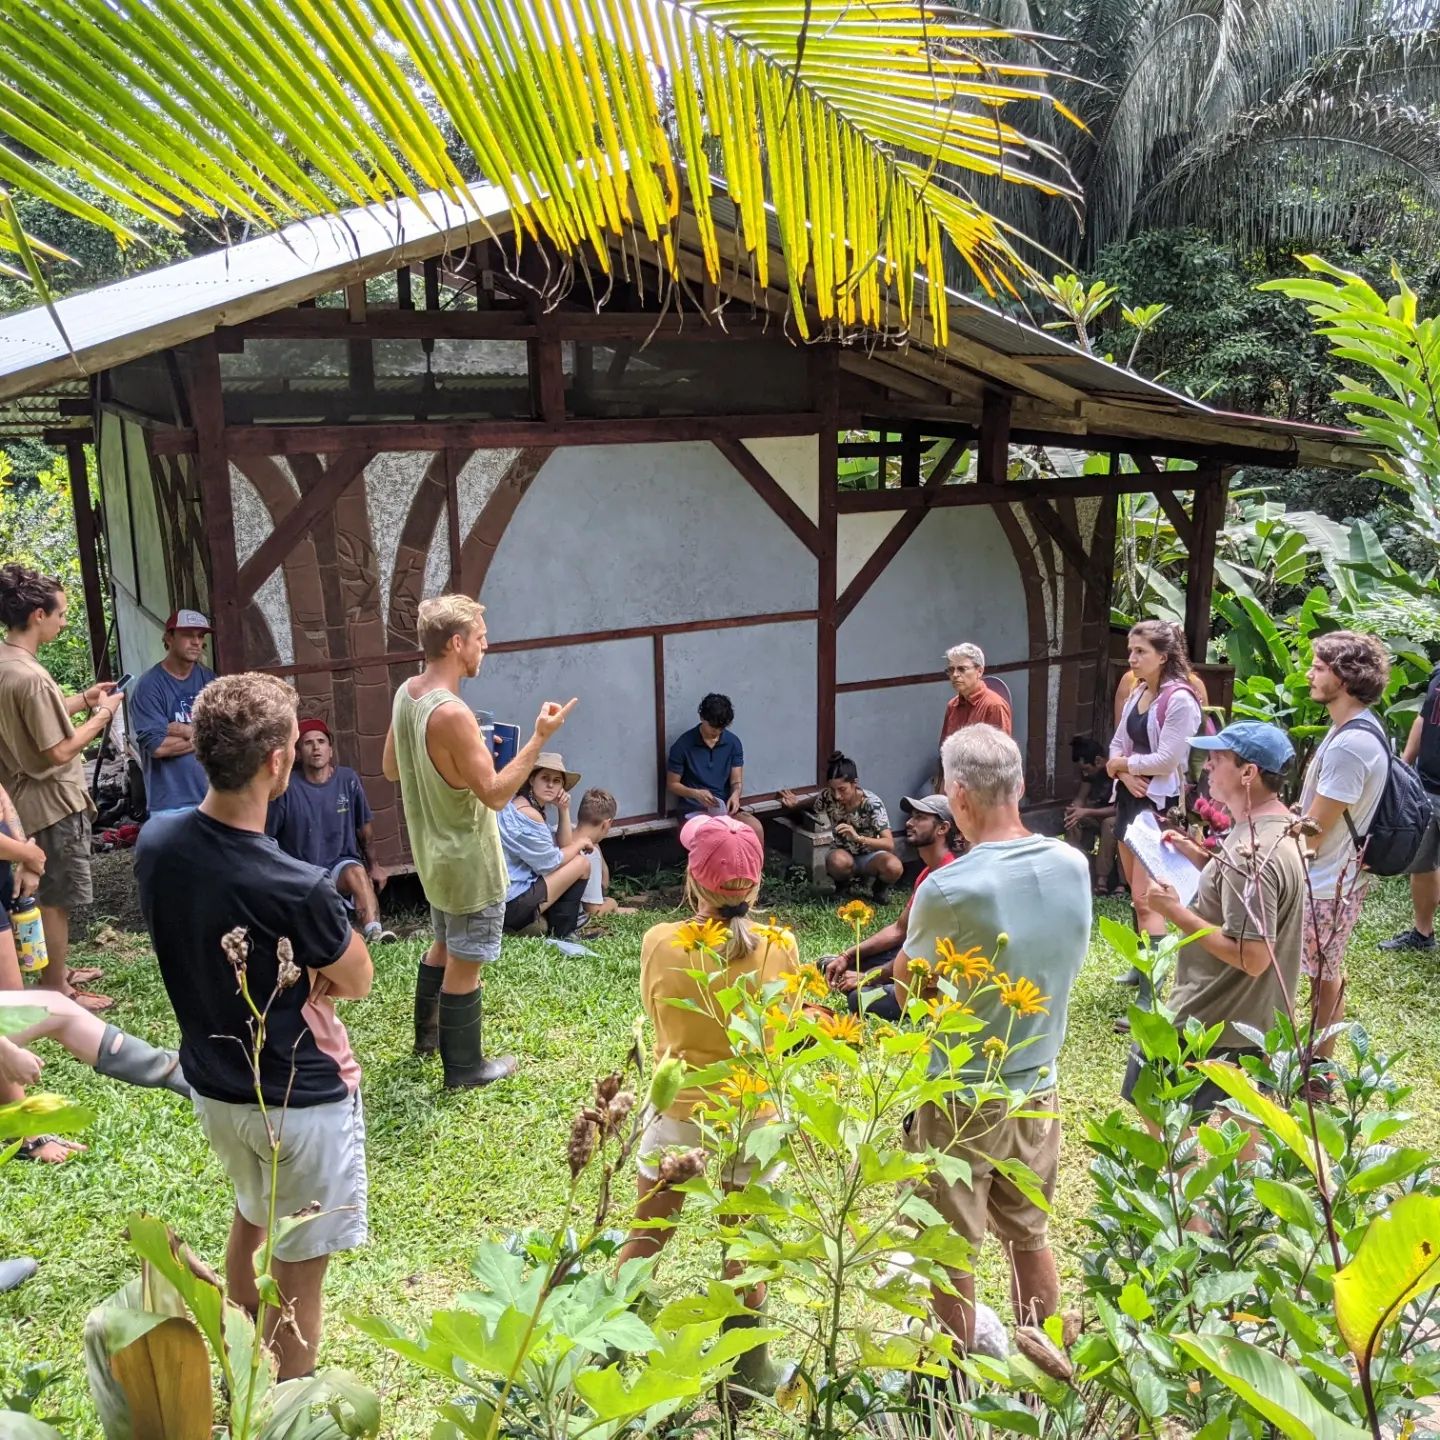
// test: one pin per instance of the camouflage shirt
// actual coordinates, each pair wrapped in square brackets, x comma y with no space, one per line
[869,817]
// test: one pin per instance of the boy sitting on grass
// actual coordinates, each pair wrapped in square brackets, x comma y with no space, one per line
[596,815]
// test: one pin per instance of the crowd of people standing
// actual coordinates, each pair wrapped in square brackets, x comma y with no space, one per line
[261,890]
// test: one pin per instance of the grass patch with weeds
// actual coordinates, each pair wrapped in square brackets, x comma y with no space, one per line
[447,1170]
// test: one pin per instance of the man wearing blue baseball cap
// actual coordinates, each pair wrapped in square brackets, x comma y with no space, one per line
[1251,900]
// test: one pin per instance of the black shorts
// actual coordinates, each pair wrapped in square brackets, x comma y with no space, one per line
[522,910]
[1203,1100]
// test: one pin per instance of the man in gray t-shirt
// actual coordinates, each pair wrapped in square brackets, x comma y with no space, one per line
[1036,892]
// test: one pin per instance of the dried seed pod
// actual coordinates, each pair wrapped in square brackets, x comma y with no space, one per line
[677,1168]
[288,971]
[236,946]
[581,1145]
[617,1110]
[1042,1352]
[607,1089]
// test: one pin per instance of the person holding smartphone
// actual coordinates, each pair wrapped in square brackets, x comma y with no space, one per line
[160,711]
[40,759]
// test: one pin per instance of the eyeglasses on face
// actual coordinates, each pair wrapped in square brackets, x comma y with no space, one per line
[959,669]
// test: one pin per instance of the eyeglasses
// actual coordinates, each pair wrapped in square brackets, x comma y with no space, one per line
[959,669]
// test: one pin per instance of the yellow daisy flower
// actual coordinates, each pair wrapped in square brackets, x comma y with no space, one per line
[938,1009]
[806,981]
[774,934]
[1022,996]
[707,934]
[856,912]
[846,1028]
[973,965]
[994,1048]
[743,1083]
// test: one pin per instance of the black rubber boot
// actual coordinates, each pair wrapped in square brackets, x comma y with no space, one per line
[461,1047]
[427,1008]
[138,1062]
[754,1369]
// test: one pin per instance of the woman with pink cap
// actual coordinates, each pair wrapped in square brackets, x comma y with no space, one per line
[722,881]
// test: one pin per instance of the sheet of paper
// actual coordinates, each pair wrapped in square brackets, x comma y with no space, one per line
[1165,864]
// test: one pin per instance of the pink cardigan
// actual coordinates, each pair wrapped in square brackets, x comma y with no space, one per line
[1168,757]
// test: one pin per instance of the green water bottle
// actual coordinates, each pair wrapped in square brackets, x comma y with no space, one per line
[29,935]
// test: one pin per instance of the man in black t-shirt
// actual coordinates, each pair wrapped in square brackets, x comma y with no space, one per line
[222,901]
[1422,750]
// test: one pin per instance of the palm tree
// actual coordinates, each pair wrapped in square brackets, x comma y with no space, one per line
[1259,121]
[594,116]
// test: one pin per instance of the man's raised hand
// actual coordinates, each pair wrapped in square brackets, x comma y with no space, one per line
[552,717]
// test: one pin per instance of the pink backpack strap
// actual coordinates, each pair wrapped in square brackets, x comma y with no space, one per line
[1162,703]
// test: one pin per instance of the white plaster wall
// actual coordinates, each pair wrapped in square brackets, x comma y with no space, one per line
[954,579]
[610,735]
[112,496]
[153,590]
[623,536]
[794,461]
[768,671]
[253,525]
[857,538]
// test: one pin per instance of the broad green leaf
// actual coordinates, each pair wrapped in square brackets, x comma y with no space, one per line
[1396,1165]
[1397,1259]
[1269,1386]
[1280,1123]
[1287,1201]
[1135,1303]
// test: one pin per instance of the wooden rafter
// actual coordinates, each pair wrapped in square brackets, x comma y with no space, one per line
[769,489]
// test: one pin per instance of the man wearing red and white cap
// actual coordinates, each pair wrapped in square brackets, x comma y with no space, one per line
[159,714]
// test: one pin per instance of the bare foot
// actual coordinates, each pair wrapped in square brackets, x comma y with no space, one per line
[86,975]
[49,1150]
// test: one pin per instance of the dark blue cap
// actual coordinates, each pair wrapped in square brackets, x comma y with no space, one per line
[1267,746]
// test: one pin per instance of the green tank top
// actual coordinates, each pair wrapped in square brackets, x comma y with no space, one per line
[454,836]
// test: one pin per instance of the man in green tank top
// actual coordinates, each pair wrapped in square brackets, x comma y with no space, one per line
[451,792]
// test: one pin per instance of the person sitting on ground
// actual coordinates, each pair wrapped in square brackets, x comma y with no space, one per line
[1036,892]
[548,872]
[597,812]
[722,881]
[324,818]
[217,894]
[159,715]
[705,770]
[857,818]
[930,829]
[1249,912]
[1090,816]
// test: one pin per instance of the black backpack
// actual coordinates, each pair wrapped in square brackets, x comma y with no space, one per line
[1402,817]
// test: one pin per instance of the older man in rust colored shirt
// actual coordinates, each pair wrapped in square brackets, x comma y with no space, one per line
[974,702]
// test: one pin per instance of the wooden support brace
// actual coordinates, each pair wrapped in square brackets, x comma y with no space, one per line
[89,559]
[993,458]
[1046,518]
[207,406]
[1209,514]
[770,491]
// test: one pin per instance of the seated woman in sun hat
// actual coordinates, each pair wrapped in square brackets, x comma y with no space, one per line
[548,871]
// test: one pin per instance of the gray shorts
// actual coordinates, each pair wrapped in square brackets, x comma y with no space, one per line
[66,883]
[1427,857]
[474,937]
[322,1164]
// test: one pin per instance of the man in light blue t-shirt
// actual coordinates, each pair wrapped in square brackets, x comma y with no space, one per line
[159,715]
[1036,892]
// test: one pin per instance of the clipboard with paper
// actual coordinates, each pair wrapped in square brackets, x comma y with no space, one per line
[1167,866]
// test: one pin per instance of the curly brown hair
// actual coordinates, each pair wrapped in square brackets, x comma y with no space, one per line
[24,591]
[239,720]
[1359,662]
[1168,640]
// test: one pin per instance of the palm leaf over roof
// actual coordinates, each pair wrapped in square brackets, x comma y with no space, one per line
[592,115]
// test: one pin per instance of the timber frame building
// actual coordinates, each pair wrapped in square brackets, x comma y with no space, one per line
[310,432]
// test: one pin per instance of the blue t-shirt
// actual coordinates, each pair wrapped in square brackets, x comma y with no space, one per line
[704,768]
[159,700]
[1037,892]
[317,823]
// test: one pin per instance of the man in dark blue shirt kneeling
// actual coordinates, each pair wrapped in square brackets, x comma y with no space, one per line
[706,768]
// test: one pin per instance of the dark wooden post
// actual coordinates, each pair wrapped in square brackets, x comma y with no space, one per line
[993,456]
[1206,517]
[89,560]
[207,406]
[825,385]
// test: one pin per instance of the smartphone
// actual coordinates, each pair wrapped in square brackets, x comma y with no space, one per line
[124,680]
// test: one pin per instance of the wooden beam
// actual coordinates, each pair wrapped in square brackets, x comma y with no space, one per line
[662,749]
[547,368]
[207,407]
[1044,517]
[493,434]
[339,475]
[89,559]
[993,453]
[769,489]
[935,677]
[1209,514]
[1175,513]
[894,542]
[859,502]
[825,386]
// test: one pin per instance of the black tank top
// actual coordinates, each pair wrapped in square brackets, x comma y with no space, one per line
[1137,727]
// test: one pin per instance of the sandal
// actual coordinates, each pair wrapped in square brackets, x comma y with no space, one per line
[88,1000]
[31,1149]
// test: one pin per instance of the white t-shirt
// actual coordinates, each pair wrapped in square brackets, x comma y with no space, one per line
[1351,768]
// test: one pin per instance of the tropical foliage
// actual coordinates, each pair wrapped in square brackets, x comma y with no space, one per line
[1285,120]
[586,116]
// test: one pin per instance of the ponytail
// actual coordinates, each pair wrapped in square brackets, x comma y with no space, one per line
[734,910]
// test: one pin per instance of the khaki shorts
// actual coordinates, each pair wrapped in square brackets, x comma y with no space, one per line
[322,1163]
[990,1199]
[665,1132]
[66,884]
[474,937]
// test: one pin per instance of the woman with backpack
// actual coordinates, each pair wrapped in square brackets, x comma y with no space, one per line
[1149,756]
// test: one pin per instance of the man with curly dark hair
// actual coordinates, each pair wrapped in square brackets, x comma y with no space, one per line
[1341,793]
[40,759]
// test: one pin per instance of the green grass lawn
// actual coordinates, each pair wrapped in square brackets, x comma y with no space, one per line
[447,1170]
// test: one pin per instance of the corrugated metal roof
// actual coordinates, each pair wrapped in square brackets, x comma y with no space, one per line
[191,298]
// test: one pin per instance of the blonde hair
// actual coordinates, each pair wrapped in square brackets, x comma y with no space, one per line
[443,617]
[986,762]
[742,942]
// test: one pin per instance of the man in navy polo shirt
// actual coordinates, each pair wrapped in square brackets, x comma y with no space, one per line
[159,714]
[706,769]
